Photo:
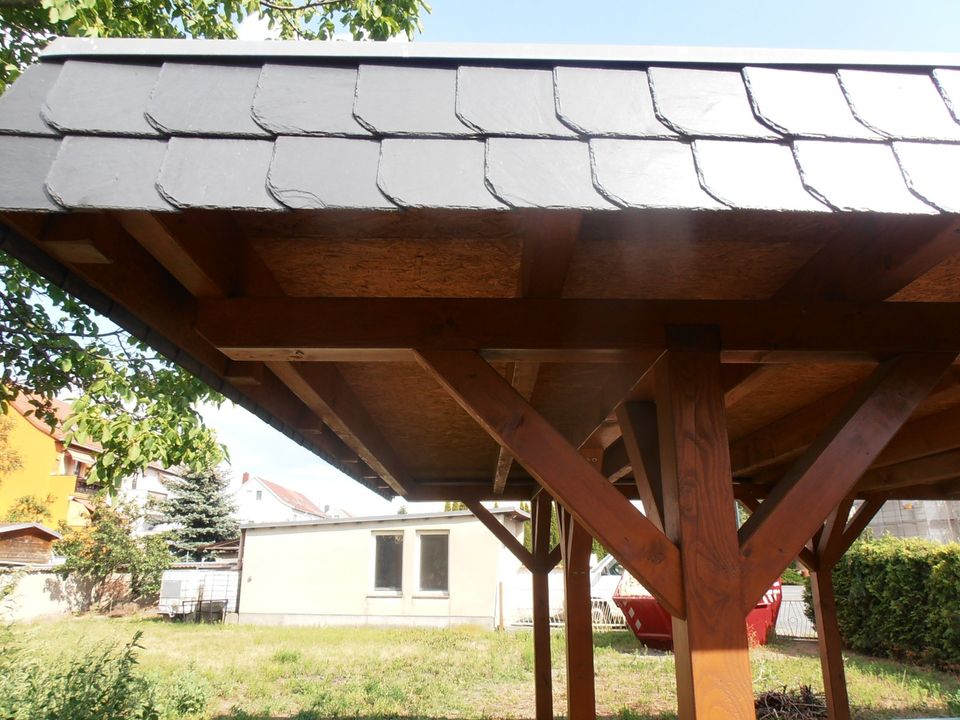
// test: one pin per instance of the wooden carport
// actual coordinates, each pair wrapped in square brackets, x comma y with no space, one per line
[573,275]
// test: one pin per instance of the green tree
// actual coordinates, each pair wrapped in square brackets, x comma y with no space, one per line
[10,459]
[201,510]
[30,508]
[96,553]
[140,407]
[454,506]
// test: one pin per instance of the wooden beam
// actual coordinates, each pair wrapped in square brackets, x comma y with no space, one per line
[830,645]
[927,470]
[541,509]
[579,487]
[502,534]
[324,390]
[856,525]
[928,435]
[829,469]
[710,643]
[830,541]
[310,328]
[549,239]
[638,423]
[523,377]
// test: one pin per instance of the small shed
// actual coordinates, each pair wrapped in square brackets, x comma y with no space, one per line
[26,544]
[427,569]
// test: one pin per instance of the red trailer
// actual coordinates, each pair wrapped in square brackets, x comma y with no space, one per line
[653,626]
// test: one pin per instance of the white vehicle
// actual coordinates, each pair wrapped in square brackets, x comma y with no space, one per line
[604,578]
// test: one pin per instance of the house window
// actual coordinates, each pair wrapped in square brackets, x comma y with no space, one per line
[259,494]
[133,483]
[388,563]
[434,562]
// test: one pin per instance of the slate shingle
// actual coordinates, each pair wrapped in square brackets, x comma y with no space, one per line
[307,100]
[753,176]
[932,171]
[26,162]
[217,173]
[20,103]
[314,172]
[108,173]
[542,174]
[394,100]
[449,174]
[102,98]
[859,177]
[803,103]
[948,82]
[903,106]
[649,174]
[509,101]
[605,102]
[705,103]
[195,99]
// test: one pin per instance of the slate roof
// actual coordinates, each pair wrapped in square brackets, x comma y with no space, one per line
[165,125]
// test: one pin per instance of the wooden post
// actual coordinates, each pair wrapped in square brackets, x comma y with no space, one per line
[710,644]
[828,638]
[541,510]
[578,618]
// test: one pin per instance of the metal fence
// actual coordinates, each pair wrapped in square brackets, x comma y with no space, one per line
[793,621]
[605,617]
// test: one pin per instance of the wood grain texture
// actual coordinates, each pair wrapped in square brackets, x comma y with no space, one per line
[638,424]
[541,509]
[559,468]
[830,645]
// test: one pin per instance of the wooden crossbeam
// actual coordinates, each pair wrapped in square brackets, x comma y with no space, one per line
[541,509]
[502,534]
[606,514]
[831,466]
[523,377]
[638,423]
[830,540]
[387,328]
[927,470]
[856,525]
[928,435]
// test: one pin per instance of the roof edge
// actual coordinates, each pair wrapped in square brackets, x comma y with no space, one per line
[377,519]
[69,47]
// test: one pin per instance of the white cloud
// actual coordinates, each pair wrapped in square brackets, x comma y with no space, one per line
[256,27]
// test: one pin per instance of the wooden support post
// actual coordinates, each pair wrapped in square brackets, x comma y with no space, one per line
[710,644]
[578,618]
[541,511]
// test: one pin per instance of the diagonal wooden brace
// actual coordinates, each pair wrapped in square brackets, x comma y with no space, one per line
[605,513]
[501,533]
[830,468]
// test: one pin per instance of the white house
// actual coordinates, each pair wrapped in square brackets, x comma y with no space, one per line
[436,569]
[146,490]
[263,501]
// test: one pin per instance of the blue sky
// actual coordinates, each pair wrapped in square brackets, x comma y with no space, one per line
[914,25]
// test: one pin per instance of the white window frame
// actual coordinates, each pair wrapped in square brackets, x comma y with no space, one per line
[373,591]
[418,559]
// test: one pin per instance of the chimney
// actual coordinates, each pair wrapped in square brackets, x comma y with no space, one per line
[246,477]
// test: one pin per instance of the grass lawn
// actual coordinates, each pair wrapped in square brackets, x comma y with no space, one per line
[252,672]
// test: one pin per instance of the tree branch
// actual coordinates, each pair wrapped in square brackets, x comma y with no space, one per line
[264,3]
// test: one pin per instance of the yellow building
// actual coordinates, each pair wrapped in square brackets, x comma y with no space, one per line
[50,468]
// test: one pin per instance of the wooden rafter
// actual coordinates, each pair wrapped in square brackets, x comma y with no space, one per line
[831,466]
[502,534]
[523,377]
[638,423]
[558,467]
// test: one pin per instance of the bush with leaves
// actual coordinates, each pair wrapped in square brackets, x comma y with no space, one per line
[30,508]
[96,553]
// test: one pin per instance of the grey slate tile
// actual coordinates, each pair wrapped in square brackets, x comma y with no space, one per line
[803,103]
[859,177]
[508,101]
[102,98]
[26,162]
[607,102]
[753,175]
[948,82]
[705,103]
[314,172]
[932,171]
[435,174]
[108,173]
[20,103]
[307,100]
[207,99]
[903,106]
[393,100]
[217,173]
[542,173]
[649,174]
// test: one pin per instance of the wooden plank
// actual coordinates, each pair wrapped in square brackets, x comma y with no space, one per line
[523,377]
[272,328]
[856,525]
[638,422]
[927,470]
[606,514]
[541,510]
[828,640]
[578,618]
[323,389]
[549,239]
[925,436]
[830,468]
[710,643]
[831,537]
[501,533]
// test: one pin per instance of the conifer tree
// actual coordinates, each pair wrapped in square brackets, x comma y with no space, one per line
[201,510]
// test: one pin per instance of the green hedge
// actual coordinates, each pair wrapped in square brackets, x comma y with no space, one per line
[900,598]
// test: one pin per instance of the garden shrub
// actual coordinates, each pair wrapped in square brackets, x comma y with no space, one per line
[900,598]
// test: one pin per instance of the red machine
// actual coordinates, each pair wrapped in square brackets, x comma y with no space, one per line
[653,625]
